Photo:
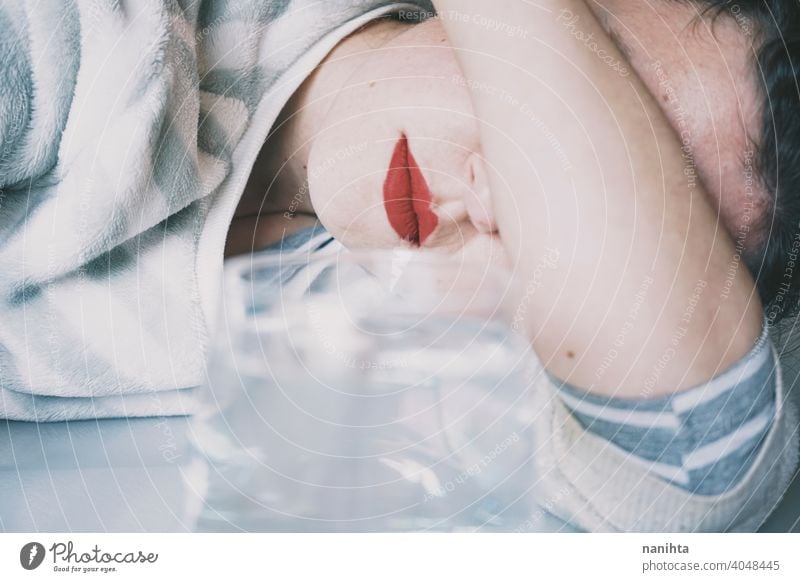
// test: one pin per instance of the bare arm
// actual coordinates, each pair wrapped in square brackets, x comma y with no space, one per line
[639,300]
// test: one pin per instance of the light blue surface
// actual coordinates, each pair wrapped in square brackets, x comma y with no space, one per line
[109,475]
[134,475]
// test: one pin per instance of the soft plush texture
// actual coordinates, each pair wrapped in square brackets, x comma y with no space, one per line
[127,131]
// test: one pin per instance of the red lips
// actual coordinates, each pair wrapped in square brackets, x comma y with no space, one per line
[407,197]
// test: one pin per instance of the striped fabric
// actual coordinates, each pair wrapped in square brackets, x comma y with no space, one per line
[127,133]
[703,439]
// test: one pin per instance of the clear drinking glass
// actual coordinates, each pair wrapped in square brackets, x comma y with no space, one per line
[380,391]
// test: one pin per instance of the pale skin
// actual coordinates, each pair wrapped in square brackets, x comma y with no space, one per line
[623,219]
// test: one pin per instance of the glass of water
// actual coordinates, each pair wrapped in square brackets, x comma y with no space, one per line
[379,391]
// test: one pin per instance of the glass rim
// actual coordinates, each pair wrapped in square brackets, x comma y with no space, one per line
[280,258]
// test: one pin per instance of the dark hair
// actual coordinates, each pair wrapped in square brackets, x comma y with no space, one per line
[774,258]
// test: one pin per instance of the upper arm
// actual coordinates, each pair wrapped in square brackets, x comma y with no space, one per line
[618,214]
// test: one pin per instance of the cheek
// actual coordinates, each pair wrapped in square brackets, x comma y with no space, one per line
[345,173]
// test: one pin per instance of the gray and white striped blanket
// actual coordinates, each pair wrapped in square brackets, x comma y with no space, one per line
[127,131]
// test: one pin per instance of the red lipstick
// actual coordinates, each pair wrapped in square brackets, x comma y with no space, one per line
[407,197]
